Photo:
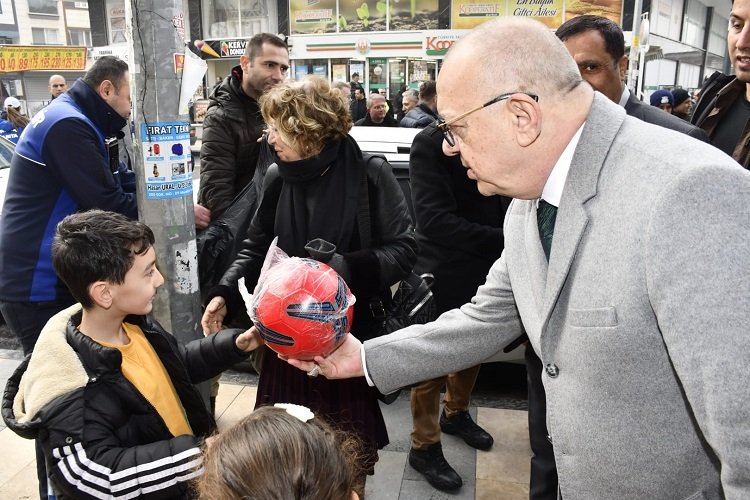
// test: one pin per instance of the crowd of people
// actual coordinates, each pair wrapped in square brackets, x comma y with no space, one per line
[550,222]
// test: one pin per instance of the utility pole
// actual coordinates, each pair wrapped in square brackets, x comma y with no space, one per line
[162,158]
[634,43]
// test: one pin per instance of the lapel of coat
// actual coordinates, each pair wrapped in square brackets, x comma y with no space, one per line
[602,124]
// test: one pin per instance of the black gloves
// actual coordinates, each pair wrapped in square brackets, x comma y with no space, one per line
[325,251]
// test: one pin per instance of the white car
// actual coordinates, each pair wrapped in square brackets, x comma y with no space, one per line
[6,153]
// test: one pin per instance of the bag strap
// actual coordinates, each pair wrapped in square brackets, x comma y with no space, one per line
[363,209]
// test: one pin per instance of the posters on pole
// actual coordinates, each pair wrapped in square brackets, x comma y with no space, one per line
[167,159]
[194,69]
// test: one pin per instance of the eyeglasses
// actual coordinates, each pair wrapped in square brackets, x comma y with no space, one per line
[445,125]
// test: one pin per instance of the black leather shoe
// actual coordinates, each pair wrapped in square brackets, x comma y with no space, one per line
[464,427]
[431,463]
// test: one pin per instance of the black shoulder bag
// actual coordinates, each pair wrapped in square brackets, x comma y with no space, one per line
[413,302]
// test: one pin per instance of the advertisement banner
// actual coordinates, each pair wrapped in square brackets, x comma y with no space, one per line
[362,15]
[611,9]
[467,14]
[339,73]
[166,155]
[23,58]
[414,15]
[547,12]
[312,16]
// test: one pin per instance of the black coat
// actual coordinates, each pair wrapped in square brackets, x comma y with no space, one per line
[419,117]
[372,270]
[388,121]
[229,151]
[654,115]
[101,422]
[358,109]
[459,231]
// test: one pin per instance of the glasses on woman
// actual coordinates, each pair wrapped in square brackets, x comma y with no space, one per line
[445,125]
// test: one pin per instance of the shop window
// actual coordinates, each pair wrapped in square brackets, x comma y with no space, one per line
[79,37]
[44,36]
[717,37]
[43,7]
[116,21]
[338,70]
[239,18]
[693,30]
[666,18]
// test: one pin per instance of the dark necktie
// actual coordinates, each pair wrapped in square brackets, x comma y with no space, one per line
[545,219]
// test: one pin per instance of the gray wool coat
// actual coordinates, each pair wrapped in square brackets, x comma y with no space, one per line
[641,319]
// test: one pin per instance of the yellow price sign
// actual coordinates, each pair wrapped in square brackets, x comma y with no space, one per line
[23,58]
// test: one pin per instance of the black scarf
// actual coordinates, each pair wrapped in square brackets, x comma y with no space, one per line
[319,198]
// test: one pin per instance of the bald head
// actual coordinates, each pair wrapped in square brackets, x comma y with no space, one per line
[506,148]
[509,51]
[57,85]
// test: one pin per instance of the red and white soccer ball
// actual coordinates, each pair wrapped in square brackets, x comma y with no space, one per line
[303,308]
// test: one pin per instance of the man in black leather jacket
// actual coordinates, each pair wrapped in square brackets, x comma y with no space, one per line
[233,122]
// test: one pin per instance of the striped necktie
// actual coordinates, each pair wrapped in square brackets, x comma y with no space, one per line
[545,219]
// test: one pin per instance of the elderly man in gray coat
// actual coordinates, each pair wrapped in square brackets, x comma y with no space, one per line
[638,304]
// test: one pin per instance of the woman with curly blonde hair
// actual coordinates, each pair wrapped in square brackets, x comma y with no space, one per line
[311,199]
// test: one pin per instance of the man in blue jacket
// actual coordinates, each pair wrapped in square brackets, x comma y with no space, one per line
[62,165]
[65,162]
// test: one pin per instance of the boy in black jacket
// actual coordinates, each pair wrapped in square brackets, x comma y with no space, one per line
[107,391]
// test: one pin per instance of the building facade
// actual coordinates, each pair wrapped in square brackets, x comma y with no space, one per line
[397,43]
[39,38]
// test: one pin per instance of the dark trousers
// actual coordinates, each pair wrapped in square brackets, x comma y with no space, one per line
[26,320]
[543,481]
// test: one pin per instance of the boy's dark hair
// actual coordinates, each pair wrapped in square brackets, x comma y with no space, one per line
[97,246]
[254,46]
[427,90]
[614,40]
[355,74]
[106,68]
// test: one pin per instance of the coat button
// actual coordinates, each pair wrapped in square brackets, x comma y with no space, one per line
[552,370]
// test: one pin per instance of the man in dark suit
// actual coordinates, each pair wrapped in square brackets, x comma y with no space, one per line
[637,311]
[598,47]
[460,235]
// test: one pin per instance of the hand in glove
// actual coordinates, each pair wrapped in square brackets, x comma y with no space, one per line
[325,251]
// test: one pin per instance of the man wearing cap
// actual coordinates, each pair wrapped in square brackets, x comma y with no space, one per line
[682,104]
[13,121]
[723,110]
[663,100]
